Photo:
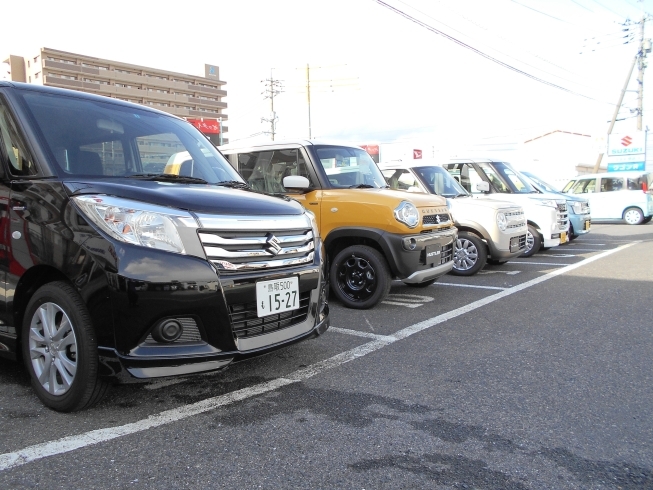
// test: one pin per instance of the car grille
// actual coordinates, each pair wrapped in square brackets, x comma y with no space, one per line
[237,251]
[245,323]
[563,217]
[447,253]
[517,243]
[436,219]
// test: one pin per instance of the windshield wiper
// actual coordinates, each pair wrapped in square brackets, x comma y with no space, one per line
[234,184]
[182,179]
[362,186]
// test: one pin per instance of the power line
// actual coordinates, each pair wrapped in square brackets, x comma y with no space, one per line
[481,53]
[538,11]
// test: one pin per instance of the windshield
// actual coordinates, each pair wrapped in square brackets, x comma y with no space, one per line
[349,167]
[95,138]
[505,179]
[440,182]
[540,183]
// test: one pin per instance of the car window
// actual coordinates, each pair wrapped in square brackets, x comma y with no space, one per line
[466,175]
[568,186]
[264,171]
[610,184]
[402,180]
[104,139]
[20,162]
[505,179]
[349,167]
[440,181]
[634,184]
[584,186]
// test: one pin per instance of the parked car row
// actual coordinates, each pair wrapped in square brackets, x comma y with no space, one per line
[113,271]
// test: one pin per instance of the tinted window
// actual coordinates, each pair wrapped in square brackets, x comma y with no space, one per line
[610,184]
[505,179]
[90,137]
[20,162]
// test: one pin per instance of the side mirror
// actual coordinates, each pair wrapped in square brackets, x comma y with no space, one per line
[483,187]
[296,183]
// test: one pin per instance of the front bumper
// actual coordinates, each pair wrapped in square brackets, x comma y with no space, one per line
[407,254]
[218,312]
[507,246]
[580,223]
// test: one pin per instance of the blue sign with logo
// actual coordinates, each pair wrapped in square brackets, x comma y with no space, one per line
[621,167]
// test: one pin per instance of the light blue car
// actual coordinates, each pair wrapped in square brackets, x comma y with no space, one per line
[579,208]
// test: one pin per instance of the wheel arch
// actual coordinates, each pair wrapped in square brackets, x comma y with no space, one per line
[341,238]
[28,284]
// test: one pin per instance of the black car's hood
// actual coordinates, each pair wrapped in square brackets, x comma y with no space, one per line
[198,198]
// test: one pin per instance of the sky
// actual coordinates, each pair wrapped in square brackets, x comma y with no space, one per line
[447,72]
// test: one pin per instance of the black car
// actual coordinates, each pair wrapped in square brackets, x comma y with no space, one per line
[113,271]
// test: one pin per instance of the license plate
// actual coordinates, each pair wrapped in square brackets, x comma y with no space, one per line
[277,296]
[433,254]
[587,225]
[563,237]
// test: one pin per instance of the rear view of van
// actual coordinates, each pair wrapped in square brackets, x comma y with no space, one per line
[616,196]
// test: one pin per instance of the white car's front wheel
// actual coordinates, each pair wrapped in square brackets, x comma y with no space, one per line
[633,216]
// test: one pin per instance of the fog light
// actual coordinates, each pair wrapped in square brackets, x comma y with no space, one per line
[167,331]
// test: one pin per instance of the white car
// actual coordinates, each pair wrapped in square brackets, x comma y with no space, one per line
[616,196]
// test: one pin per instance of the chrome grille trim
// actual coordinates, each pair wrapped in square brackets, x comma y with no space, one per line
[221,252]
[209,239]
[432,219]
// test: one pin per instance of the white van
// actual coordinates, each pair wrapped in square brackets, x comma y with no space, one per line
[616,196]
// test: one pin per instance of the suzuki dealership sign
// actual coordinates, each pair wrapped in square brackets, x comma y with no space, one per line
[626,151]
[627,144]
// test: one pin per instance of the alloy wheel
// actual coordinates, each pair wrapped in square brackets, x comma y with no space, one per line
[466,254]
[53,349]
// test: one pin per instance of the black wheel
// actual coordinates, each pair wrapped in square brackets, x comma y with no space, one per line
[470,255]
[60,349]
[533,242]
[633,216]
[647,219]
[421,284]
[360,277]
[496,261]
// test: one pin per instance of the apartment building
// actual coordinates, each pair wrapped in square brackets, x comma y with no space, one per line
[197,99]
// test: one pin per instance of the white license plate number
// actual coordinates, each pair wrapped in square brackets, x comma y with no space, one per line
[277,296]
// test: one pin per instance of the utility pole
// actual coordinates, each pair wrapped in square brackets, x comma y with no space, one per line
[640,61]
[272,87]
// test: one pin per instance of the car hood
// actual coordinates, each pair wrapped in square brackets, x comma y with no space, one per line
[482,201]
[198,198]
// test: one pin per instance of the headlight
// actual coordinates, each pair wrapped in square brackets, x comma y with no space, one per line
[407,214]
[576,206]
[311,216]
[502,222]
[136,222]
[548,202]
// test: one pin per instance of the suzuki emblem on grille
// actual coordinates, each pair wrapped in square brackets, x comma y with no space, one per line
[273,244]
[437,218]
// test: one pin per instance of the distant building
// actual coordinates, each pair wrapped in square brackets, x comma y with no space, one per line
[197,99]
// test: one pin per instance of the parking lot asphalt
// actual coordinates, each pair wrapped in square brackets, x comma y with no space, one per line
[535,374]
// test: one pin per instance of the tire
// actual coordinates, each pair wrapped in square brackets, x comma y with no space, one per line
[634,216]
[421,284]
[647,219]
[68,380]
[533,242]
[470,255]
[360,277]
[570,234]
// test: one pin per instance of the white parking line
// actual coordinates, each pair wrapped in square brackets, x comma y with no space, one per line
[369,335]
[467,286]
[71,443]
[515,262]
